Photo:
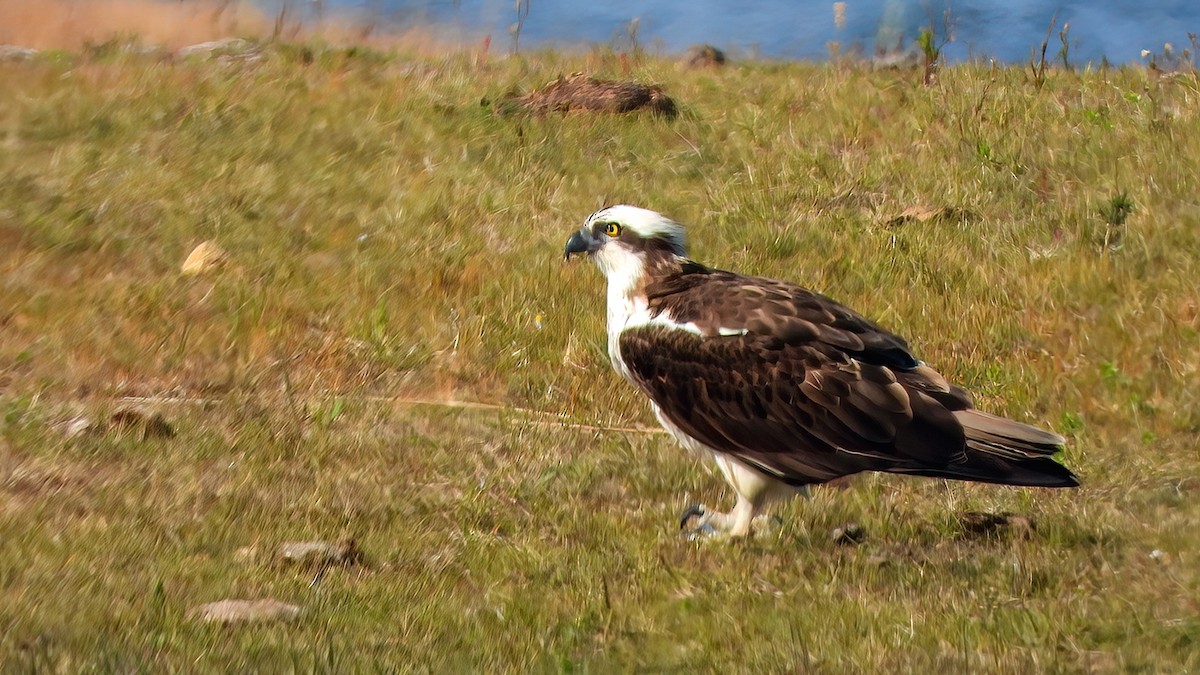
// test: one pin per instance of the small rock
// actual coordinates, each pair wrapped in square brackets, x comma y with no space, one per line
[16,53]
[243,57]
[980,524]
[78,427]
[320,553]
[703,56]
[241,611]
[1156,554]
[208,255]
[152,425]
[851,534]
[142,49]
[206,48]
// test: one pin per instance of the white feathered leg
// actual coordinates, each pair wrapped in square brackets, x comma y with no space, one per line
[754,490]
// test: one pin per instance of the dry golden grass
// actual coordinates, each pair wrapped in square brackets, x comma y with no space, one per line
[75,24]
[387,236]
[69,24]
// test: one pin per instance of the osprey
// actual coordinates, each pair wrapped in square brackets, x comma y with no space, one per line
[784,387]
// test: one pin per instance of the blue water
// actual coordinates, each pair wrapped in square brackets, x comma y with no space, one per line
[801,29]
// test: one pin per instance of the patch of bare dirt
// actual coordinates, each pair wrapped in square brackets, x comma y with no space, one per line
[26,482]
[977,524]
[921,213]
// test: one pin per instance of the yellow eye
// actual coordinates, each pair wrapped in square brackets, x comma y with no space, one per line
[612,230]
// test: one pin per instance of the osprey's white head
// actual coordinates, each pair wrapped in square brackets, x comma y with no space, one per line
[622,239]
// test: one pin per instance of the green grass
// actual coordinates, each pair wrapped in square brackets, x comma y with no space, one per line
[390,237]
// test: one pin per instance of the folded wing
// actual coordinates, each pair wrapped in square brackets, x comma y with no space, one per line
[806,390]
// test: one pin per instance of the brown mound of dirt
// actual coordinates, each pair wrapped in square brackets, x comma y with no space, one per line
[583,93]
[703,56]
[989,525]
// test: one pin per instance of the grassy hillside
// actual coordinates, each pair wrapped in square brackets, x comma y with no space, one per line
[394,249]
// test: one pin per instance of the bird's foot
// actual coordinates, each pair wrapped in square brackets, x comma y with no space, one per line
[698,522]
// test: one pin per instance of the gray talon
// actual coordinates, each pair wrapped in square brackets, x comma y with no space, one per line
[702,532]
[693,511]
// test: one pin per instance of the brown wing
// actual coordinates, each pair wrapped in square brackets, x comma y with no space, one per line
[806,389]
[714,300]
[801,410]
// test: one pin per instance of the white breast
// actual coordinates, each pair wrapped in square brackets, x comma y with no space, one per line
[627,305]
[624,311]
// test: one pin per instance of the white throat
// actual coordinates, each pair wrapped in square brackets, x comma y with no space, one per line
[627,306]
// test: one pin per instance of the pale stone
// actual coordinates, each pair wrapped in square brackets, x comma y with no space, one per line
[208,255]
[242,611]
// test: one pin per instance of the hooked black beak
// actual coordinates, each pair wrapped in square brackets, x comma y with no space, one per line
[580,242]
